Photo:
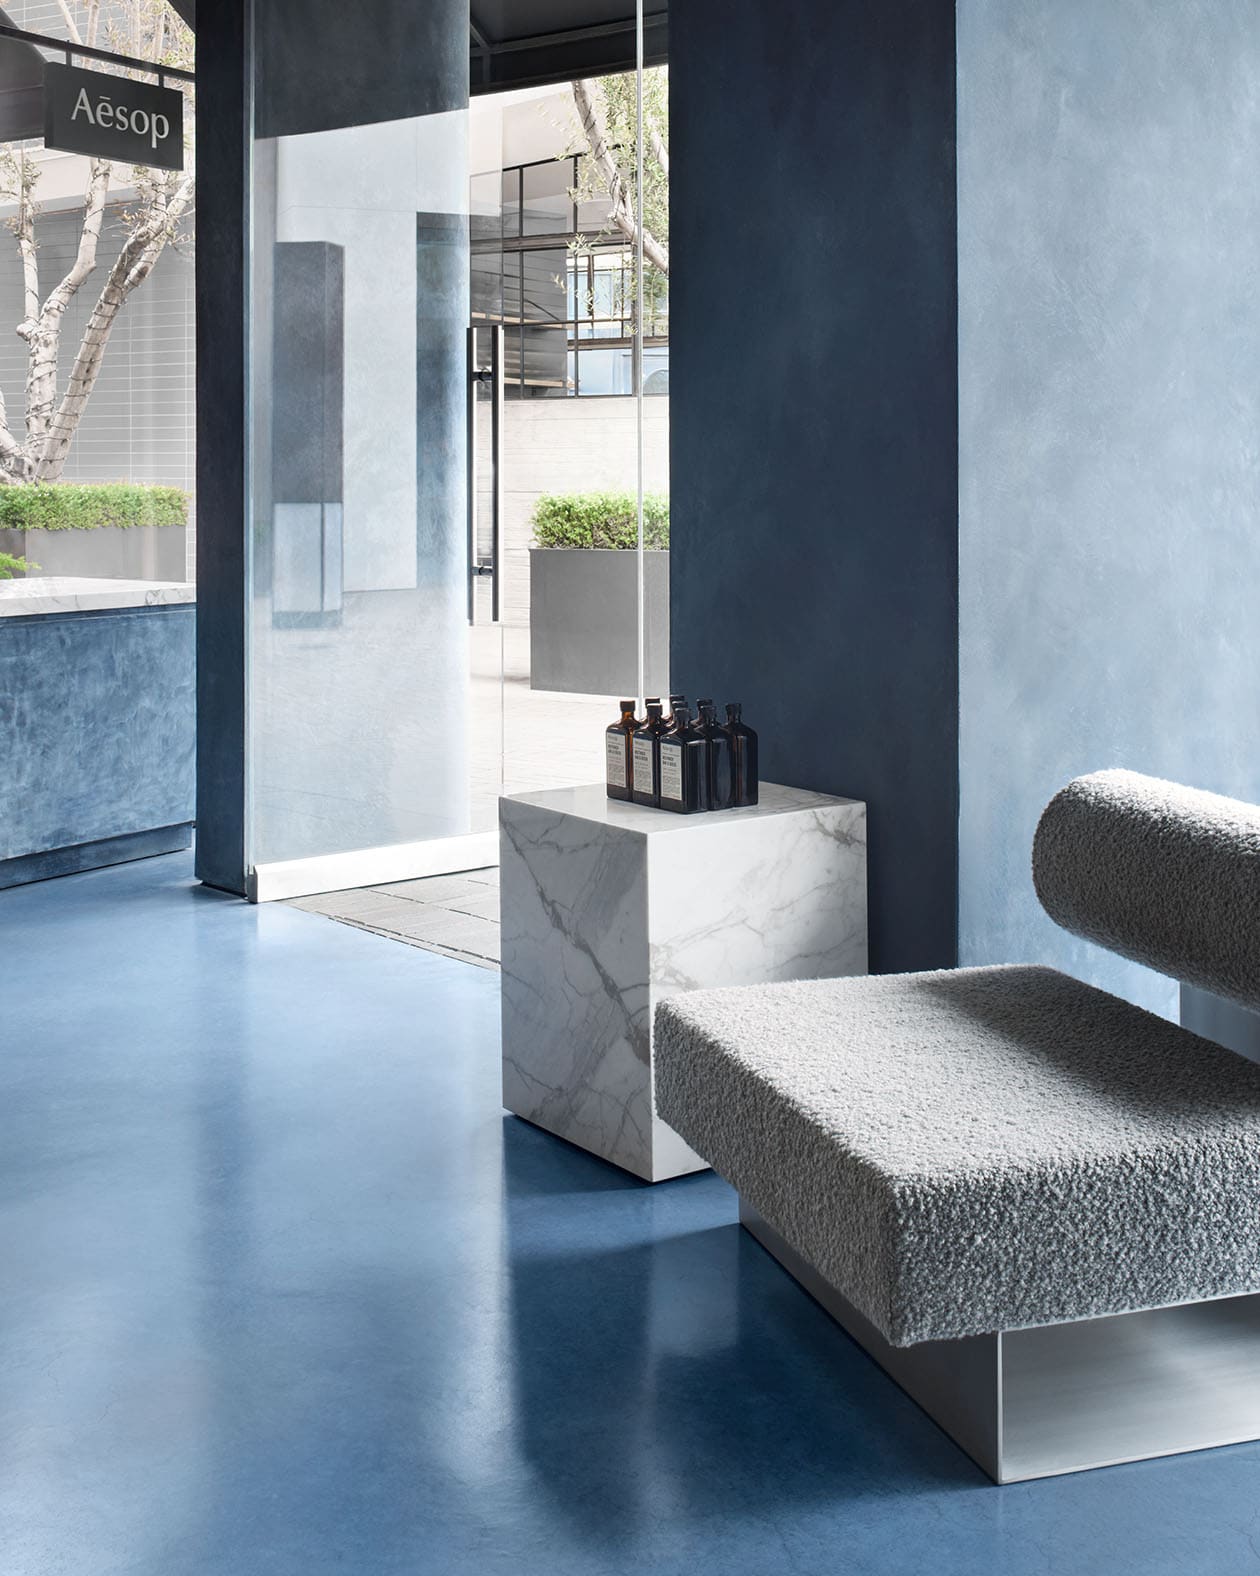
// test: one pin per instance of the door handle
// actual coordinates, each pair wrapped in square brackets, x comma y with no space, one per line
[479,567]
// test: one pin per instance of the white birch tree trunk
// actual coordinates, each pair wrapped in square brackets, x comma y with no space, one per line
[40,450]
[133,266]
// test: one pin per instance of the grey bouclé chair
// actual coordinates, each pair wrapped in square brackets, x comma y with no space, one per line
[1037,1205]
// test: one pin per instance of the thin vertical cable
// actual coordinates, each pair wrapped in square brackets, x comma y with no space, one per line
[638,335]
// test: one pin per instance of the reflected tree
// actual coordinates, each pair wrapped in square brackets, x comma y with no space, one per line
[607,112]
[154,208]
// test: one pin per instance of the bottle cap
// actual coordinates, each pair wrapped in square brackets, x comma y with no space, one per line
[627,705]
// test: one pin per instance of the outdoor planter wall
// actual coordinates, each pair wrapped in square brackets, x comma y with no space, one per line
[136,552]
[583,632]
[97,530]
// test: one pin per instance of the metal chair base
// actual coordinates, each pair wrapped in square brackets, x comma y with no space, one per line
[1062,1398]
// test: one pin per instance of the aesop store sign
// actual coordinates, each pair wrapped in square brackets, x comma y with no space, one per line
[113,117]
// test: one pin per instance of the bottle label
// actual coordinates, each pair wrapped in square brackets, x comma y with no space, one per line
[616,759]
[671,772]
[643,767]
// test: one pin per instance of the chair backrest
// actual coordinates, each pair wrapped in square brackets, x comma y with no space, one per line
[1165,875]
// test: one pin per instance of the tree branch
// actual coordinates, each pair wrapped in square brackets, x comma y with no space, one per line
[132,267]
[24,229]
[657,144]
[67,16]
[623,214]
[43,336]
[12,458]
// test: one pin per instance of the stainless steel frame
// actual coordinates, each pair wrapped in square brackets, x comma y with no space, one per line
[492,375]
[1237,1028]
[1062,1398]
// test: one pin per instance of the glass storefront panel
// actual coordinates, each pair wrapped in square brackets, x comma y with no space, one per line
[361,680]
[97,439]
[99,396]
[425,309]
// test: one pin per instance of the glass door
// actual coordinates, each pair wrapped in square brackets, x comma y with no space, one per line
[584,418]
[459,545]
[375,684]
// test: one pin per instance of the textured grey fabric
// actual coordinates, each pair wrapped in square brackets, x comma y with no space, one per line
[976,1149]
[1165,875]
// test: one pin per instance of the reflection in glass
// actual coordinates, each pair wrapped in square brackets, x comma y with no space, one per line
[359,680]
[546,206]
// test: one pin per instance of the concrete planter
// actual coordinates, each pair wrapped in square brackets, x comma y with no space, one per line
[137,552]
[583,632]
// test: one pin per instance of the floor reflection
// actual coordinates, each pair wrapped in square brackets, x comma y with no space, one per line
[286,1294]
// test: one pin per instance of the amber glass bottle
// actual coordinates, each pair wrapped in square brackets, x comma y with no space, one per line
[617,765]
[645,757]
[743,755]
[719,767]
[684,766]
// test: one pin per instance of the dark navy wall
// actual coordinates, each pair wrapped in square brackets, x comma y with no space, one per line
[323,63]
[96,731]
[1109,226]
[222,196]
[814,415]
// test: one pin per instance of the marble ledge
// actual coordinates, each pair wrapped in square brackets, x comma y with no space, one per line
[590,802]
[80,594]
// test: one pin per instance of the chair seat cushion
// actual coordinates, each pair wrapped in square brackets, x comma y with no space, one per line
[975,1149]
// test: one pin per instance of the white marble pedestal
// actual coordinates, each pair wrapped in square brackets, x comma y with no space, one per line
[610,907]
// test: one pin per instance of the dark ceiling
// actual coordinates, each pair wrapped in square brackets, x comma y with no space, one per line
[517,43]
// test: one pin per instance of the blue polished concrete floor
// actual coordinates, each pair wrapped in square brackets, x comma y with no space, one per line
[283,1292]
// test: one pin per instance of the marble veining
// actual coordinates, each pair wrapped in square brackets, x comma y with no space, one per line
[608,908]
[83,594]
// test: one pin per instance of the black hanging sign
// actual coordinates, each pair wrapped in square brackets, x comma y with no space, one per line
[113,117]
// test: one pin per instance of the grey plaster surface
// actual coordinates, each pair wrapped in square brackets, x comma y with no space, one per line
[1108,226]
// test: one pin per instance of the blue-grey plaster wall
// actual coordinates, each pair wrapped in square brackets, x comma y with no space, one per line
[1109,347]
[813,393]
[96,726]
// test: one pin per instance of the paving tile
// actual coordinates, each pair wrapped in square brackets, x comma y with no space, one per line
[366,904]
[332,904]
[485,905]
[460,932]
[411,941]
[434,889]
[457,916]
[451,952]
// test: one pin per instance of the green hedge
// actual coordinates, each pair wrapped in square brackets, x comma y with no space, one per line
[10,566]
[599,519]
[71,506]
